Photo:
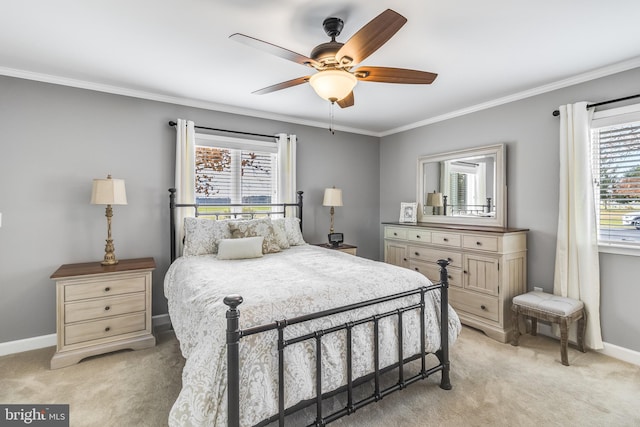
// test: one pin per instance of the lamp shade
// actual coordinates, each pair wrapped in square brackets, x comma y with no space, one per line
[108,192]
[333,85]
[434,199]
[332,197]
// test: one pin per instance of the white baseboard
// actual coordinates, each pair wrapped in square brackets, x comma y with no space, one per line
[18,346]
[621,353]
[43,341]
[27,344]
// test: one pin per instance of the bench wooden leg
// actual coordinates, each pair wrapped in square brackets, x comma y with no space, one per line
[564,341]
[516,326]
[582,326]
[534,326]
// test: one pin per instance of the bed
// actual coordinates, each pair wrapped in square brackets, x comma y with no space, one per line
[314,324]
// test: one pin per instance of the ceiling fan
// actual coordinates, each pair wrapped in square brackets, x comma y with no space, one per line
[335,62]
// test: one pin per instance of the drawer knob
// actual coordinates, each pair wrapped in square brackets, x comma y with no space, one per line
[479,243]
[395,234]
[416,268]
[417,253]
[465,272]
[417,236]
[449,259]
[445,239]
[107,289]
[404,259]
[107,329]
[483,307]
[107,308]
[449,277]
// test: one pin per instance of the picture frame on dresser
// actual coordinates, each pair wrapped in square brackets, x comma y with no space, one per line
[408,212]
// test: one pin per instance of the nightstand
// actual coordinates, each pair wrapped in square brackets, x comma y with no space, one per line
[343,247]
[102,309]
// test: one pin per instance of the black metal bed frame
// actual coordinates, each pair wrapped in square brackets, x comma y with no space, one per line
[467,209]
[235,334]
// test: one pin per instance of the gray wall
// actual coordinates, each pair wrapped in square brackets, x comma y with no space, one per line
[55,140]
[531,135]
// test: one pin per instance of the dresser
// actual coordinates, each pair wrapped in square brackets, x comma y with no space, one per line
[102,309]
[487,267]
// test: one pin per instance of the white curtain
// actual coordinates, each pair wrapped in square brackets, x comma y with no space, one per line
[577,271]
[287,172]
[185,176]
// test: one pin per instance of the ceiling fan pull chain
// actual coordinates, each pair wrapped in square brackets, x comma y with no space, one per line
[331,118]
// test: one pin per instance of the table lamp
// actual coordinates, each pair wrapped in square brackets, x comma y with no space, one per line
[109,192]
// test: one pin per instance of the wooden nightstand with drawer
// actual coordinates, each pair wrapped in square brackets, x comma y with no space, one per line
[102,309]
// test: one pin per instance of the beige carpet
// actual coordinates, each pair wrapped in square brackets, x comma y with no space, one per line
[494,384]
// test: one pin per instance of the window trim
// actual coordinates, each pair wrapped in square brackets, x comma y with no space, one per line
[606,118]
[241,144]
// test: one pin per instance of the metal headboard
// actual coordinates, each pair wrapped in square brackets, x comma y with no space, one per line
[245,214]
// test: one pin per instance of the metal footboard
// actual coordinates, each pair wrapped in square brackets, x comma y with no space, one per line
[234,334]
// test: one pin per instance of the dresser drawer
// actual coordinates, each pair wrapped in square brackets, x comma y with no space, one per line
[483,243]
[447,239]
[418,235]
[117,286]
[432,272]
[476,304]
[395,233]
[104,328]
[433,255]
[104,307]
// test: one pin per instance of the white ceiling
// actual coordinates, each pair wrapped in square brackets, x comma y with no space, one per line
[484,52]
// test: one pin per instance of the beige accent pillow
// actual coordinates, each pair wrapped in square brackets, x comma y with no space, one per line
[280,232]
[203,234]
[248,247]
[256,227]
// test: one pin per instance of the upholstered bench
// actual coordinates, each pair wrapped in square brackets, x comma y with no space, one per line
[551,308]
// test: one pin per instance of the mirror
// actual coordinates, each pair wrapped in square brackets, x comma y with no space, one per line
[466,187]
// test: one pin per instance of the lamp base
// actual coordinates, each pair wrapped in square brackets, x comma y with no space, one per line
[109,253]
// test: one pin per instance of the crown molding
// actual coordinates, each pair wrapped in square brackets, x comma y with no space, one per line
[187,102]
[580,78]
[117,90]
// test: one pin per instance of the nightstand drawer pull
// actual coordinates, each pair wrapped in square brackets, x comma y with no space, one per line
[395,234]
[479,243]
[445,239]
[417,236]
[484,307]
[107,289]
[417,253]
[416,268]
[107,308]
[107,329]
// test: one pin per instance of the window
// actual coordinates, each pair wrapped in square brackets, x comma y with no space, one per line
[615,143]
[233,171]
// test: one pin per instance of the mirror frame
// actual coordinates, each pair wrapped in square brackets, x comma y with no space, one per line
[500,218]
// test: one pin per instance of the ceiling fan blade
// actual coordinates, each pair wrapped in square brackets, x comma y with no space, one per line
[347,101]
[283,85]
[274,50]
[394,75]
[370,37]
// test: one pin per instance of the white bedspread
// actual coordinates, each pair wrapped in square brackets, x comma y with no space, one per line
[294,282]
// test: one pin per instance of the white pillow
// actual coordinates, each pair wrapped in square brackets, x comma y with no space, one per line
[203,234]
[247,247]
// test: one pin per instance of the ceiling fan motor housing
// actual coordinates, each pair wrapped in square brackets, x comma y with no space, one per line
[325,53]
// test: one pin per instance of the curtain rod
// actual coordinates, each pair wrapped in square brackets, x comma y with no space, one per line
[557,112]
[172,123]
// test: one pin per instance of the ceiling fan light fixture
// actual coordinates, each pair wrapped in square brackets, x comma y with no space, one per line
[333,85]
